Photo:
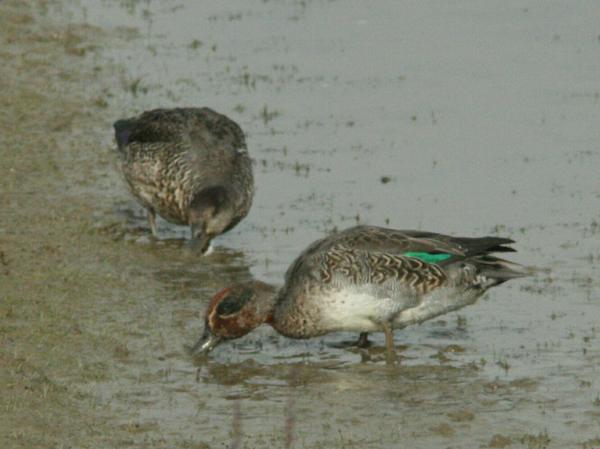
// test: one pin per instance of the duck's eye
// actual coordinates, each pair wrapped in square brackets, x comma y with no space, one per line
[233,304]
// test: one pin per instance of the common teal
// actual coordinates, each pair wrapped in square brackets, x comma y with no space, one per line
[189,165]
[363,279]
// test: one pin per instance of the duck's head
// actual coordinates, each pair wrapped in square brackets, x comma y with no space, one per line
[211,214]
[235,311]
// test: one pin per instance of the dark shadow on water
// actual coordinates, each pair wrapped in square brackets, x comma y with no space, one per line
[215,271]
[261,360]
[177,265]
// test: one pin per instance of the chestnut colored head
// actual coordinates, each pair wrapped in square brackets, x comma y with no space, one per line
[235,311]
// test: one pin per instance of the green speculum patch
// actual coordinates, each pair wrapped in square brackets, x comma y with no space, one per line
[429,257]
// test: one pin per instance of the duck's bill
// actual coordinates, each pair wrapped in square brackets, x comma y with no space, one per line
[200,242]
[200,245]
[206,343]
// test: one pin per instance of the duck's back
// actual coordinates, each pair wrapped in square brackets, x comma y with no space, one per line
[378,242]
[202,125]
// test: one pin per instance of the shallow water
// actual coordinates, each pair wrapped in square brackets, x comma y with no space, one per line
[460,118]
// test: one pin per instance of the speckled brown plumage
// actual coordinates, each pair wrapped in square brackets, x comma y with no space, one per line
[189,165]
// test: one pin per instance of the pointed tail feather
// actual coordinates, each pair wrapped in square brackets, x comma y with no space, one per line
[479,245]
[500,269]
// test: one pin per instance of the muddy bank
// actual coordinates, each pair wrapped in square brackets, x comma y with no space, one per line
[56,271]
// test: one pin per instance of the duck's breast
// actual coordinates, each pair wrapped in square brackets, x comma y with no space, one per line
[160,177]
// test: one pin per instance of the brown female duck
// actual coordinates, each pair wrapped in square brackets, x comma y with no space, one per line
[189,165]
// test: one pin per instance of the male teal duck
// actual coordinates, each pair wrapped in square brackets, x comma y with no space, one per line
[189,165]
[363,279]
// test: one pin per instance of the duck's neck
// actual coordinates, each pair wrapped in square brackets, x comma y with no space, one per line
[267,299]
[285,317]
[270,318]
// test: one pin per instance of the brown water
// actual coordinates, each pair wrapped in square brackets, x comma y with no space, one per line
[460,118]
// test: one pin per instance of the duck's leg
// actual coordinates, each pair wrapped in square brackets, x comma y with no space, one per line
[363,340]
[152,221]
[389,341]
